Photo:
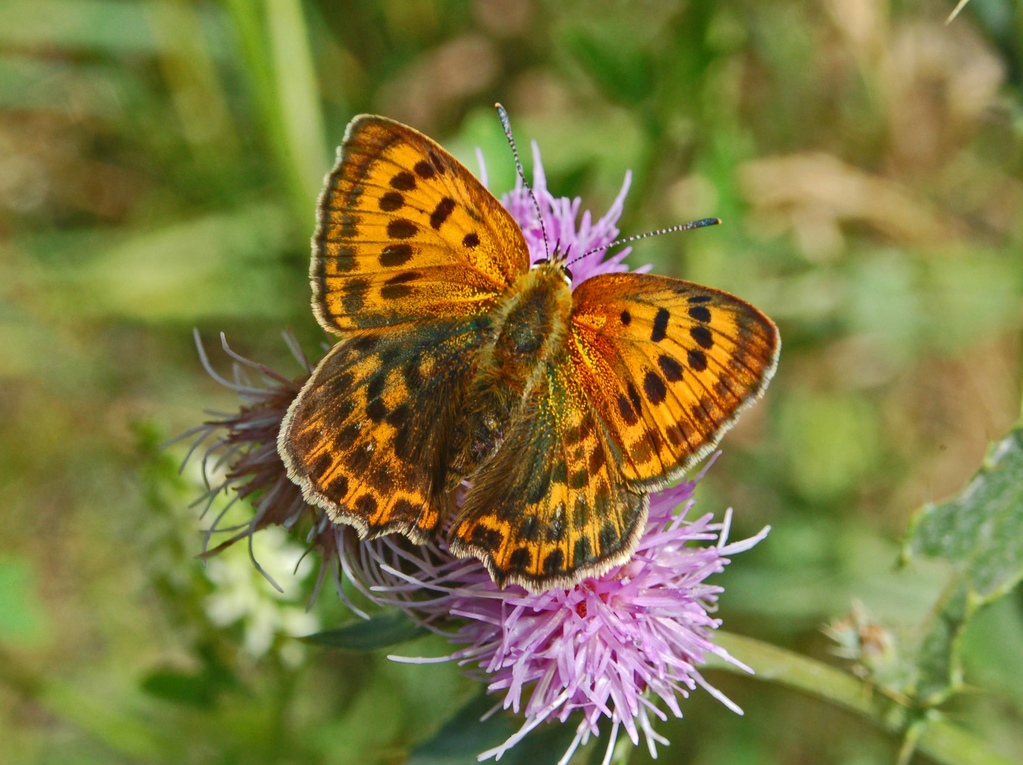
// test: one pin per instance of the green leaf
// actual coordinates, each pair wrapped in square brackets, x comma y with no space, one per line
[383,631]
[465,736]
[981,533]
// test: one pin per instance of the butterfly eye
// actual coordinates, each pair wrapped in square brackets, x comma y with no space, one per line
[568,273]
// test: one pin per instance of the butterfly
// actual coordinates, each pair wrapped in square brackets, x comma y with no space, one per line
[475,394]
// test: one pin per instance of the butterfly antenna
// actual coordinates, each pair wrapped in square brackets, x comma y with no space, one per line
[703,223]
[506,124]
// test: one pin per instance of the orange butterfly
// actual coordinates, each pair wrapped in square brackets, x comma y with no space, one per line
[460,362]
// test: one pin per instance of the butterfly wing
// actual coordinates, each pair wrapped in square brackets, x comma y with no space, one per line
[406,233]
[552,506]
[668,365]
[366,438]
[410,256]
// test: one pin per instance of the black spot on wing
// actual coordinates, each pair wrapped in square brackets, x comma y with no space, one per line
[702,336]
[519,560]
[395,255]
[349,226]
[580,516]
[424,169]
[403,181]
[608,537]
[401,228]
[577,480]
[637,402]
[395,291]
[343,258]
[439,165]
[403,278]
[487,539]
[626,410]
[555,531]
[654,387]
[441,212]
[365,343]
[582,552]
[554,563]
[672,369]
[391,201]
[660,330]
[377,410]
[399,417]
[354,297]
[529,529]
[337,488]
[402,508]
[375,387]
[700,313]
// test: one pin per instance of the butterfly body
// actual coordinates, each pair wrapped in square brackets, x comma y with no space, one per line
[530,334]
[459,365]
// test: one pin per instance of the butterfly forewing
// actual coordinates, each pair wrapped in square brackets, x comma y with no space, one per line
[668,365]
[410,257]
[406,233]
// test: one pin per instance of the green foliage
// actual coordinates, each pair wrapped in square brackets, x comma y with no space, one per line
[981,533]
[476,728]
[622,68]
[159,163]
[374,634]
[22,619]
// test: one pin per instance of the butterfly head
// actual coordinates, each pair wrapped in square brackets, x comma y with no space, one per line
[556,261]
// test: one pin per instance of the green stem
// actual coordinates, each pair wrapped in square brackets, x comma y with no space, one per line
[934,736]
[298,100]
[274,41]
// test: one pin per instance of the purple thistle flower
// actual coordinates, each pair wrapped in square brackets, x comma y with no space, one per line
[607,647]
[564,228]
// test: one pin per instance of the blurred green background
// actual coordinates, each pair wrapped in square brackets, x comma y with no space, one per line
[159,165]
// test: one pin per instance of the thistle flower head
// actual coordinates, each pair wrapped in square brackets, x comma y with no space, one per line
[565,229]
[239,456]
[610,647]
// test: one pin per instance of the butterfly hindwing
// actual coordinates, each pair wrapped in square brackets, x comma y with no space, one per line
[552,506]
[668,365]
[406,233]
[366,438]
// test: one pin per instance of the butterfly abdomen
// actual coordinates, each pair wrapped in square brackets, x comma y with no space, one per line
[530,331]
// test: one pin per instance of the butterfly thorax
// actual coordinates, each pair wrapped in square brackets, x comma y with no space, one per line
[529,332]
